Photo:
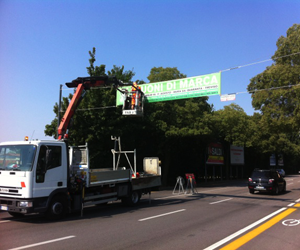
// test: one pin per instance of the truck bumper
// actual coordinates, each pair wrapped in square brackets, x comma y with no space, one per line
[23,206]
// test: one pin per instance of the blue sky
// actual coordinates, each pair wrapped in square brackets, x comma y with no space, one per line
[45,43]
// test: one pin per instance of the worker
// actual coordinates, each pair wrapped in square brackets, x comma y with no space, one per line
[136,94]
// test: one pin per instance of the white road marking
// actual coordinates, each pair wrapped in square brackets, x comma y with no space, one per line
[292,204]
[297,200]
[221,201]
[291,222]
[43,243]
[160,215]
[230,237]
[174,196]
[4,221]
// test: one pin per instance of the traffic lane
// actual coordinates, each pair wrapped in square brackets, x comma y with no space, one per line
[175,231]
[172,231]
[292,194]
[293,184]
[174,201]
[279,232]
[264,200]
[124,220]
[114,220]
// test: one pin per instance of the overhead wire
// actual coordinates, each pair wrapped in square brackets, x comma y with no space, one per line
[250,64]
[232,68]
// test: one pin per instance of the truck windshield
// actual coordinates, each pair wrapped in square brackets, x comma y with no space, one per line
[17,157]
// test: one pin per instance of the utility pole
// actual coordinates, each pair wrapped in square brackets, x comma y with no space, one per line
[59,107]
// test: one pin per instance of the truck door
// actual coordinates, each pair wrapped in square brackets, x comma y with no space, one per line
[50,174]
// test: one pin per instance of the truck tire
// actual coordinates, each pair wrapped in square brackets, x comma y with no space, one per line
[133,199]
[57,208]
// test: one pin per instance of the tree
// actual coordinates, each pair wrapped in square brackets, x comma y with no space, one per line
[233,125]
[276,93]
[97,118]
[176,127]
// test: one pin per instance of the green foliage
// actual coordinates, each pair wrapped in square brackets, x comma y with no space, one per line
[164,74]
[276,93]
[233,125]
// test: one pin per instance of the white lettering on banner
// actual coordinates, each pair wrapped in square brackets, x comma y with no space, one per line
[171,85]
[192,83]
[214,80]
[199,81]
[206,82]
[183,84]
[150,88]
[158,87]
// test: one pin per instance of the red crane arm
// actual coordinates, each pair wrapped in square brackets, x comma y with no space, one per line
[82,84]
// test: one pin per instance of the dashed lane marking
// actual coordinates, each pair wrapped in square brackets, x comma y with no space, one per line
[43,243]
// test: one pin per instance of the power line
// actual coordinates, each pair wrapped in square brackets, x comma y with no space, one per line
[237,67]
[107,107]
[273,88]
[250,64]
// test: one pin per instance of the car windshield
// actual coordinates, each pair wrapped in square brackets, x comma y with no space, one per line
[17,157]
[261,174]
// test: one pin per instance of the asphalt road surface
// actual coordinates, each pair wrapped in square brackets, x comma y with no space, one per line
[220,215]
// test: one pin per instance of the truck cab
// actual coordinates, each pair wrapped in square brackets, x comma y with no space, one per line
[30,173]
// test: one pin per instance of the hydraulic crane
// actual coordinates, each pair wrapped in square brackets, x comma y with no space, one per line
[82,84]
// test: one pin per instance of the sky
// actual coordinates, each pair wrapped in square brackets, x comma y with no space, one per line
[45,43]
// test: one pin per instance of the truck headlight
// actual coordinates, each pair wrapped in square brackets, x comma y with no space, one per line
[25,204]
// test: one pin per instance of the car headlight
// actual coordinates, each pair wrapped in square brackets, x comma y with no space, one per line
[25,204]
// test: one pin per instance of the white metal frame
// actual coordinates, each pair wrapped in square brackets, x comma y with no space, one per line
[119,152]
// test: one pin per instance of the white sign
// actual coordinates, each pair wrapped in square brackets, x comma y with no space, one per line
[237,155]
[229,97]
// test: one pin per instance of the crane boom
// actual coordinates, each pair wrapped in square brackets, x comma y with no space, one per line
[82,84]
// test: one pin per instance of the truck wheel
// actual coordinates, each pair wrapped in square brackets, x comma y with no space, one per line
[133,199]
[16,215]
[57,208]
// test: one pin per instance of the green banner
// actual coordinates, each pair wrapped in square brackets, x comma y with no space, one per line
[196,86]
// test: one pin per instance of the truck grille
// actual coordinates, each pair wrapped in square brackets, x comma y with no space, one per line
[10,191]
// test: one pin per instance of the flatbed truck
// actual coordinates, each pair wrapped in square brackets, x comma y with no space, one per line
[53,178]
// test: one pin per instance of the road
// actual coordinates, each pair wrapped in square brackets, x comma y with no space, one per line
[222,216]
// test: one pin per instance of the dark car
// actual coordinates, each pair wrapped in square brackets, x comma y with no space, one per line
[266,180]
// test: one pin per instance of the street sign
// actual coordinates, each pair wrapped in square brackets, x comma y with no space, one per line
[228,97]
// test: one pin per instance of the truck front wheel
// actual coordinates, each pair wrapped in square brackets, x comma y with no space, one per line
[133,199]
[57,208]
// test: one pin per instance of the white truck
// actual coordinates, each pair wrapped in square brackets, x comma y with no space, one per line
[54,178]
